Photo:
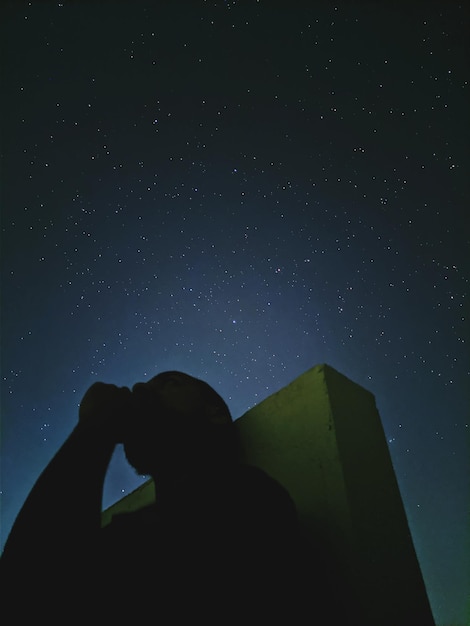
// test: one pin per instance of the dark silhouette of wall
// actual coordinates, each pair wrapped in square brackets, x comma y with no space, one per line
[321,437]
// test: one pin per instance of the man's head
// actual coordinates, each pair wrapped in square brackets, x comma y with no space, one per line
[179,422]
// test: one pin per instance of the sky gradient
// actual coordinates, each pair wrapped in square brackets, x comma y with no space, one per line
[241,191]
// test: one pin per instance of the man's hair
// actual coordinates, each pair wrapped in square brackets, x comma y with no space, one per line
[216,407]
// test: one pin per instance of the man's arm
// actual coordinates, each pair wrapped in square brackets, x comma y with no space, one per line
[61,515]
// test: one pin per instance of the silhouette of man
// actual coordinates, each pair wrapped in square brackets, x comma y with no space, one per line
[220,542]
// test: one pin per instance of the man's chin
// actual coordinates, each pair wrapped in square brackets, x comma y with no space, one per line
[142,473]
[137,460]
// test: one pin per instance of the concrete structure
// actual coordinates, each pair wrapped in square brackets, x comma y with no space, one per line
[321,437]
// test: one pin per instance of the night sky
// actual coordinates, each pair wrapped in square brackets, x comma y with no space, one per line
[241,191]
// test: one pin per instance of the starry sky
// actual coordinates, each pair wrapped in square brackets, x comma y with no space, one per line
[241,191]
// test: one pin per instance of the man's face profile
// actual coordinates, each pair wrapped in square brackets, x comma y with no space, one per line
[171,415]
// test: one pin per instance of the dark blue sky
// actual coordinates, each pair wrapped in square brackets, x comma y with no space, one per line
[242,190]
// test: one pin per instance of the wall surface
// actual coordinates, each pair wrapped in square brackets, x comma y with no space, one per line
[321,437]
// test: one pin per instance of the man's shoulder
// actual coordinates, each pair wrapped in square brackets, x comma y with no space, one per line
[262,498]
[253,479]
[237,490]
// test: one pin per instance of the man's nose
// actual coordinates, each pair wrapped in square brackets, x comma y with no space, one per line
[138,387]
[143,391]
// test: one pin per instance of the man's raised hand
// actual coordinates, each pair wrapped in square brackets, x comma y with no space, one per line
[107,409]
